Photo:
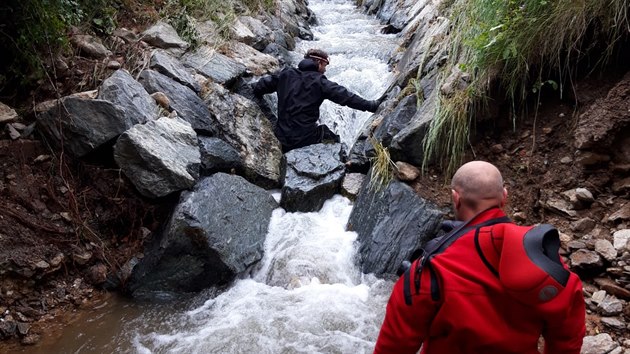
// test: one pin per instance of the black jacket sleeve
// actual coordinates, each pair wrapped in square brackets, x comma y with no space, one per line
[267,84]
[342,96]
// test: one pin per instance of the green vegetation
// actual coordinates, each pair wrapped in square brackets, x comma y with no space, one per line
[35,32]
[521,46]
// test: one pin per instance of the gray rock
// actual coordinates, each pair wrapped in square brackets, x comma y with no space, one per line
[406,172]
[255,62]
[351,185]
[620,239]
[217,231]
[159,157]
[585,259]
[174,69]
[125,34]
[610,306]
[218,156]
[212,64]
[395,121]
[405,146]
[599,344]
[559,206]
[260,33]
[185,101]
[313,175]
[90,46]
[7,114]
[13,133]
[584,195]
[122,90]
[606,250]
[614,323]
[621,215]
[163,35]
[391,224]
[583,225]
[81,124]
[619,187]
[241,123]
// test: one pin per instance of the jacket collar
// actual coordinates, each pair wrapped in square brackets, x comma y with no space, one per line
[492,213]
[308,65]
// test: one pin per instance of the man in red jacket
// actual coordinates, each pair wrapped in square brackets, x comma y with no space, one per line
[489,286]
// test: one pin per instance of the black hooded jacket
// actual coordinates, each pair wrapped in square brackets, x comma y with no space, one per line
[301,91]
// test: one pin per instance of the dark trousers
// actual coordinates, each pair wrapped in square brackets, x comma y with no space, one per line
[321,134]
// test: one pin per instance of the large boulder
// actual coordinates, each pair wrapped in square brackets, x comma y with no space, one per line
[80,124]
[159,157]
[163,35]
[313,175]
[188,105]
[394,122]
[391,222]
[218,156]
[124,91]
[218,67]
[167,65]
[217,231]
[241,123]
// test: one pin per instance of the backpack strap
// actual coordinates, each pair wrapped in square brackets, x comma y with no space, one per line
[435,247]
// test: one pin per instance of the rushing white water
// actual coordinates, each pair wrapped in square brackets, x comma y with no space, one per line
[307,295]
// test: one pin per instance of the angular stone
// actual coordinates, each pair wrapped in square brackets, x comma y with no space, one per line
[606,250]
[585,259]
[406,172]
[212,64]
[163,35]
[81,124]
[351,185]
[559,206]
[218,156]
[598,344]
[7,114]
[90,46]
[610,306]
[123,90]
[313,175]
[242,124]
[174,69]
[391,223]
[613,288]
[620,239]
[583,225]
[159,157]
[613,322]
[189,106]
[216,232]
[622,214]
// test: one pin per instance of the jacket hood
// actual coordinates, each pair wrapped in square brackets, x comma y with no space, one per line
[308,65]
[530,268]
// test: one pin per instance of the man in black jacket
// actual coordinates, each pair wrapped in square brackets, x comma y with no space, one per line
[301,91]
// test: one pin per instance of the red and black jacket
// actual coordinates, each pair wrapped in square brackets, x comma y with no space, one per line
[489,286]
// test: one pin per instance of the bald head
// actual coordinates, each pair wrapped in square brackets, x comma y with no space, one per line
[477,185]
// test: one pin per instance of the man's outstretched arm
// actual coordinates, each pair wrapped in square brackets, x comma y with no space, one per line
[340,95]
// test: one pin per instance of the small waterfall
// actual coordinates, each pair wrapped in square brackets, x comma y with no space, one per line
[307,295]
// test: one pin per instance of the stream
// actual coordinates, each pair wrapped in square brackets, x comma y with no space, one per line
[307,295]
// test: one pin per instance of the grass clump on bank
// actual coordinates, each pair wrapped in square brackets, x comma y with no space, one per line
[521,46]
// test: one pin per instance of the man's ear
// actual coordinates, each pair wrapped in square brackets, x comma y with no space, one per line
[456,199]
[504,199]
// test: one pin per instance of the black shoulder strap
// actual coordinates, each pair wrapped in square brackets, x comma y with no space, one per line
[436,248]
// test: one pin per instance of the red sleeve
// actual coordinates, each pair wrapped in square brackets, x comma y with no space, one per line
[565,331]
[406,326]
